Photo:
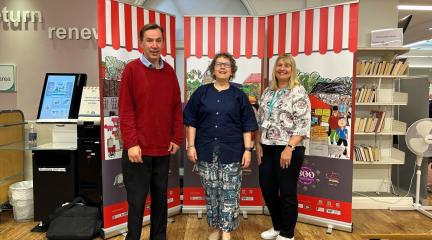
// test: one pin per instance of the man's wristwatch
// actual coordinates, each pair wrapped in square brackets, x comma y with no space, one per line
[249,149]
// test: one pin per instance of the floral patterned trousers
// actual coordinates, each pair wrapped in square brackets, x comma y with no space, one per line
[222,184]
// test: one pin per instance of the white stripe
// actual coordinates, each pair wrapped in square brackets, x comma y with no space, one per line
[205,36]
[217,34]
[134,28]
[288,33]
[122,24]
[168,34]
[157,18]
[345,26]
[230,34]
[302,31]
[316,30]
[146,16]
[192,36]
[243,36]
[275,35]
[255,36]
[330,36]
[108,22]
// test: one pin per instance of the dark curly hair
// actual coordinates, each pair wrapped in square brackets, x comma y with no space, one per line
[232,63]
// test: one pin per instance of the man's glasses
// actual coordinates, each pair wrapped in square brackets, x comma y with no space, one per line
[221,64]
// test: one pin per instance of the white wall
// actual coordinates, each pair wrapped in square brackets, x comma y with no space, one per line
[376,15]
[29,48]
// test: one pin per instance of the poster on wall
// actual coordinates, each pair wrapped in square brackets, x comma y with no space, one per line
[323,42]
[243,37]
[7,78]
[118,40]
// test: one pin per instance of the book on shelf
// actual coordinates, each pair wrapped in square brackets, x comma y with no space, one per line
[364,153]
[378,67]
[366,94]
[373,123]
[379,116]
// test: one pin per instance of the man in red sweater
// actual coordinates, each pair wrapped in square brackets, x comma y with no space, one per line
[151,124]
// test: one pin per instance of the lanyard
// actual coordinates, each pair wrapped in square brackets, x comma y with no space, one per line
[275,98]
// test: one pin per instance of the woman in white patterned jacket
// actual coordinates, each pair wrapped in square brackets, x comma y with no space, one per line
[284,119]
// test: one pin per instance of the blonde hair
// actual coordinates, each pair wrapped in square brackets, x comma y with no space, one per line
[293,81]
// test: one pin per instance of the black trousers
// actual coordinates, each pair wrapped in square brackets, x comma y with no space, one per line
[279,187]
[139,178]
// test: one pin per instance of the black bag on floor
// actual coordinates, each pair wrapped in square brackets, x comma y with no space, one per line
[73,221]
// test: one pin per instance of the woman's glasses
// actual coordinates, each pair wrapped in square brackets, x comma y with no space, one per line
[221,64]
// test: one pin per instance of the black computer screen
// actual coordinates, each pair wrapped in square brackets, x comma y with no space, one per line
[61,96]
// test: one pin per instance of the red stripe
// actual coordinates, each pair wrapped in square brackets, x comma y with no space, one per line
[115,29]
[128,27]
[173,36]
[162,23]
[270,32]
[323,39]
[101,24]
[198,37]
[140,24]
[249,37]
[236,37]
[295,33]
[353,27]
[224,35]
[261,34]
[309,31]
[152,16]
[338,23]
[211,37]
[187,35]
[282,33]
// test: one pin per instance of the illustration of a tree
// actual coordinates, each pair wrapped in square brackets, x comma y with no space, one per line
[251,89]
[193,81]
[308,80]
[113,68]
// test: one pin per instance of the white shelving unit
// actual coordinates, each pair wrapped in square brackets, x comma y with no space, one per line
[373,178]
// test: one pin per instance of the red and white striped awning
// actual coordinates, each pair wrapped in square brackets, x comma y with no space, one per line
[323,29]
[241,36]
[119,25]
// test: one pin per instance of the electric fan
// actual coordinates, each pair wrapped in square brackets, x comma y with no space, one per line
[419,140]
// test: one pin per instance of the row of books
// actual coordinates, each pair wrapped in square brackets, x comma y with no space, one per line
[373,123]
[366,94]
[363,153]
[396,67]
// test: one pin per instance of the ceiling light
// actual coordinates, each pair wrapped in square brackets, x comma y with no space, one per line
[415,7]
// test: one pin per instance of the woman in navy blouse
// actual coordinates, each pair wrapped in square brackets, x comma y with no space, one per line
[220,122]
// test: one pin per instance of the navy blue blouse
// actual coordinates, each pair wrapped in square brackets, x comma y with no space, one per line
[220,119]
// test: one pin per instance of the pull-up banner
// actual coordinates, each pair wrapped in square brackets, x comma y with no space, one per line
[323,42]
[243,37]
[118,40]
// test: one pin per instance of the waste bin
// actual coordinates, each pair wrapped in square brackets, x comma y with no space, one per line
[21,198]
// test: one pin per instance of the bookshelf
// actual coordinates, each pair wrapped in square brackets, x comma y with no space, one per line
[378,98]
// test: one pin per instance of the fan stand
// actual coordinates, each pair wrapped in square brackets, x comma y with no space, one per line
[417,206]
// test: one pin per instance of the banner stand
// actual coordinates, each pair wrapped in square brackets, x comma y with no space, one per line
[122,228]
[323,222]
[114,231]
[250,210]
[200,210]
